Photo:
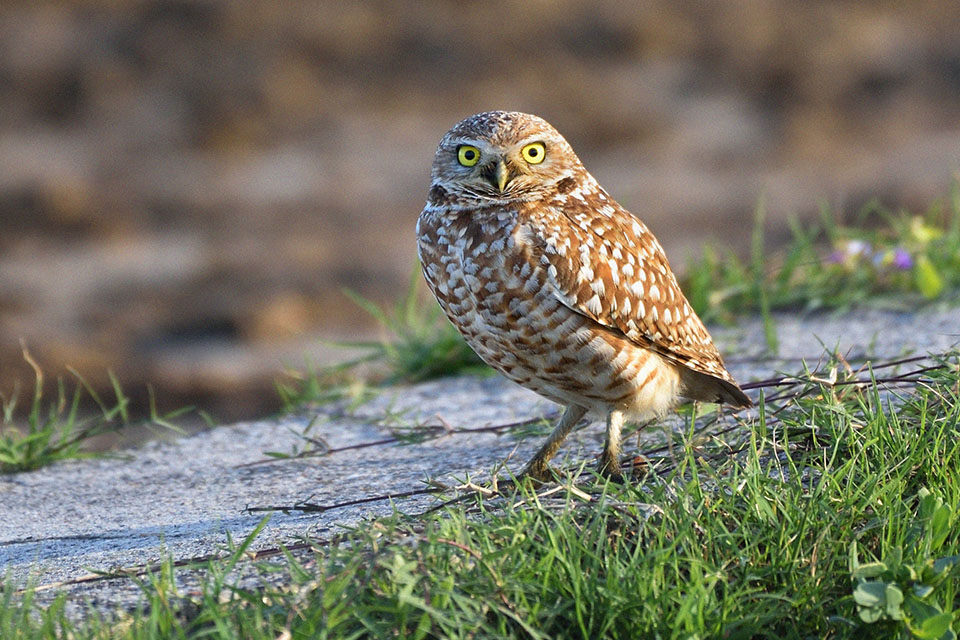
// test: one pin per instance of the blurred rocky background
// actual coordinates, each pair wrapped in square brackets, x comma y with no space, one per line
[185,187]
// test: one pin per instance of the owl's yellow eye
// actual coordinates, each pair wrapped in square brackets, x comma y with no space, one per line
[534,153]
[468,155]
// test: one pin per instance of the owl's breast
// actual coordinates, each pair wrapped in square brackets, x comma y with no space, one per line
[463,255]
[493,291]
[474,265]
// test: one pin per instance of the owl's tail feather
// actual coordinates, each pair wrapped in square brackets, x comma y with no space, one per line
[701,386]
[731,394]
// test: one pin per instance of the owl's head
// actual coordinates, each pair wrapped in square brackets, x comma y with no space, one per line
[502,156]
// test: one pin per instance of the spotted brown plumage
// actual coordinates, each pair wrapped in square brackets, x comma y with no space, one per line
[557,286]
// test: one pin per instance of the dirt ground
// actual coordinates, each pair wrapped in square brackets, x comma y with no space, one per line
[185,187]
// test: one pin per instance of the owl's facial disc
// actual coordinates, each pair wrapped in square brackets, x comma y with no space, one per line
[503,165]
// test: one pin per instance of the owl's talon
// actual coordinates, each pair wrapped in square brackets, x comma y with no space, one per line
[610,469]
[537,473]
[614,476]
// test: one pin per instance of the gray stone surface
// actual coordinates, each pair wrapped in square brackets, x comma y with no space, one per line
[182,498]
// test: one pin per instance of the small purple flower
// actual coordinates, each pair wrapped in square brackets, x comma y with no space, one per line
[902,259]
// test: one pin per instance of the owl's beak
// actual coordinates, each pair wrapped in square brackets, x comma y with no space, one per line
[502,175]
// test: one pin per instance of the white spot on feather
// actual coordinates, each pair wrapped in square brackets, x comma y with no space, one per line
[614,272]
[585,274]
[593,305]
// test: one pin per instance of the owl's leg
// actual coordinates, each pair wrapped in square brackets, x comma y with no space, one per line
[539,468]
[610,459]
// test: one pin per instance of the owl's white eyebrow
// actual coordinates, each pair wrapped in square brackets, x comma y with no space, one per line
[547,141]
[456,142]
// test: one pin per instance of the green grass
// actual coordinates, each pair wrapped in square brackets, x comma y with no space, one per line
[54,430]
[834,513]
[894,259]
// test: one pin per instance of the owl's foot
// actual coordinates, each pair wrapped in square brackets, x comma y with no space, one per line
[538,472]
[538,469]
[609,468]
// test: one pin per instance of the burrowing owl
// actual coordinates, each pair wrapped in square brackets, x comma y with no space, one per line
[556,285]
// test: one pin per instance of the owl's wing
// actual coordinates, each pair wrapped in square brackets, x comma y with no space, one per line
[604,263]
